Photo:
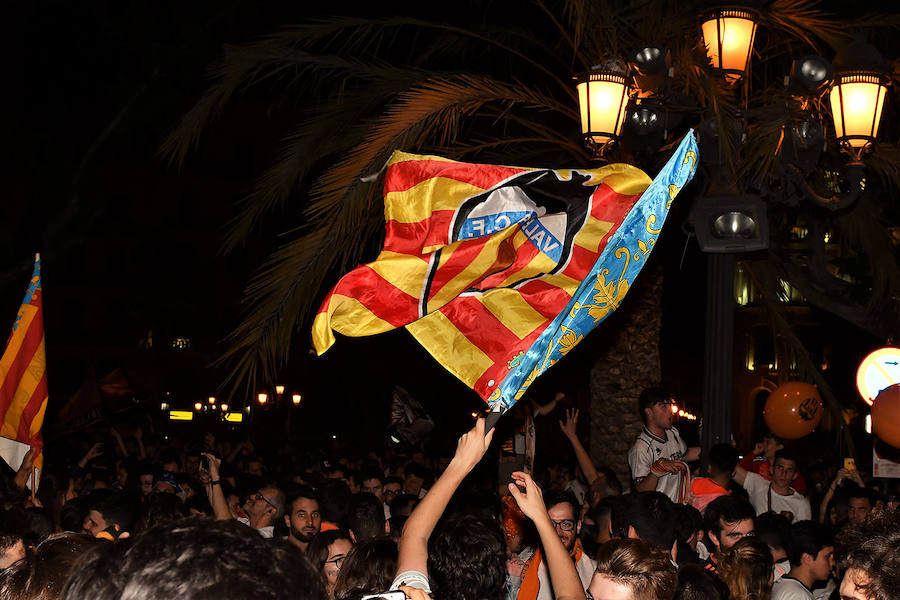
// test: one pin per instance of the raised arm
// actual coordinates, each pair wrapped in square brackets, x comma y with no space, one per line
[421,522]
[740,474]
[563,576]
[584,460]
[214,490]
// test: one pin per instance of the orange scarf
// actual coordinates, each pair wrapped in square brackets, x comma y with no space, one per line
[531,585]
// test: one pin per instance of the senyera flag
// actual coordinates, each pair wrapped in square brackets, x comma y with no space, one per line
[23,381]
[500,271]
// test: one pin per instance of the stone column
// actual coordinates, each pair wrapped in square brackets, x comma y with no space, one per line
[627,361]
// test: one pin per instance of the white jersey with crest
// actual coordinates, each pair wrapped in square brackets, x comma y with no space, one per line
[649,448]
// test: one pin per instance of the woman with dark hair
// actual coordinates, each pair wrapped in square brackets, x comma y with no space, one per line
[368,569]
[747,569]
[327,552]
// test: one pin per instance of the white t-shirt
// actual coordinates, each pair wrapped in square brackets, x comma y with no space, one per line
[648,449]
[788,588]
[267,532]
[758,489]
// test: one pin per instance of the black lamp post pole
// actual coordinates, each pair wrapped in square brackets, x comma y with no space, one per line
[719,348]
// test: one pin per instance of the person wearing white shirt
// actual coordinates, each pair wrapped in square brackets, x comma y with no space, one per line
[812,560]
[776,495]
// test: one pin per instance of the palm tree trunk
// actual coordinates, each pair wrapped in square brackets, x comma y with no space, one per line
[626,363]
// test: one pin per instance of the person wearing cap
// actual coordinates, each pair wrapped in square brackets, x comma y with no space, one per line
[658,457]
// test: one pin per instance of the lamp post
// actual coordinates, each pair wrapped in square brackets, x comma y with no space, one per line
[727,221]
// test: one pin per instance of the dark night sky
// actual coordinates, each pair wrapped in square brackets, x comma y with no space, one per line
[130,245]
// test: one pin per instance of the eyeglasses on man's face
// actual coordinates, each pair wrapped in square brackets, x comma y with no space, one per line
[337,561]
[564,525]
[259,496]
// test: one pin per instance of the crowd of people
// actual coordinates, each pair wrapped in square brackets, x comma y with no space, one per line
[148,518]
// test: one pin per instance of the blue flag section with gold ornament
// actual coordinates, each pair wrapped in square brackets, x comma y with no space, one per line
[603,289]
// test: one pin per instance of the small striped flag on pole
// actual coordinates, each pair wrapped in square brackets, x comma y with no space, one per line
[23,381]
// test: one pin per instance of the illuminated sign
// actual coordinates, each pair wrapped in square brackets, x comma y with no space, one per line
[878,371]
[181,415]
[234,417]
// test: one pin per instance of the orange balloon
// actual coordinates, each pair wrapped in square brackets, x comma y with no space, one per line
[886,415]
[793,410]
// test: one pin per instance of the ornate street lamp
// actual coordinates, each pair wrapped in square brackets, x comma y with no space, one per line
[296,399]
[728,34]
[262,397]
[857,96]
[602,97]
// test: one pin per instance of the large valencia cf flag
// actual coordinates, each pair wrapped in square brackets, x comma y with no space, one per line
[499,271]
[23,380]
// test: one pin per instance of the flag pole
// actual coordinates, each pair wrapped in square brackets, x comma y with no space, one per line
[33,480]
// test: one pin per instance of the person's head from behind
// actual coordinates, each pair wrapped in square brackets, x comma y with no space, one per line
[368,568]
[696,583]
[746,568]
[565,514]
[12,532]
[688,525]
[200,559]
[365,520]
[723,458]
[633,570]
[812,549]
[653,519]
[869,558]
[775,530]
[726,520]
[44,573]
[327,552]
[655,407]
[467,558]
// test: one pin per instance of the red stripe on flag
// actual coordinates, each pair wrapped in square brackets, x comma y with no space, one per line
[481,327]
[30,344]
[410,238]
[499,370]
[32,409]
[548,300]
[609,205]
[386,301]
[404,175]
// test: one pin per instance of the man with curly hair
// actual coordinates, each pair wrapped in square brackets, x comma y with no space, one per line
[870,559]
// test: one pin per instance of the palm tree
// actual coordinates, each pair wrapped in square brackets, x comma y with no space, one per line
[502,92]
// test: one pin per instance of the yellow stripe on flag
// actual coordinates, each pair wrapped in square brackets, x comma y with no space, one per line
[592,234]
[445,194]
[541,263]
[17,338]
[38,418]
[352,318]
[513,311]
[30,379]
[623,179]
[450,347]
[403,271]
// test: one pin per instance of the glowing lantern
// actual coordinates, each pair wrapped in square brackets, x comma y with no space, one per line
[728,34]
[296,399]
[857,95]
[198,406]
[262,397]
[602,98]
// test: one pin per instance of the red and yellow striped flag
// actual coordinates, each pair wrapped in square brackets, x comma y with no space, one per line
[23,379]
[478,259]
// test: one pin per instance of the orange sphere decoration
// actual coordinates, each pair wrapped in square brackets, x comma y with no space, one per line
[886,415]
[793,410]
